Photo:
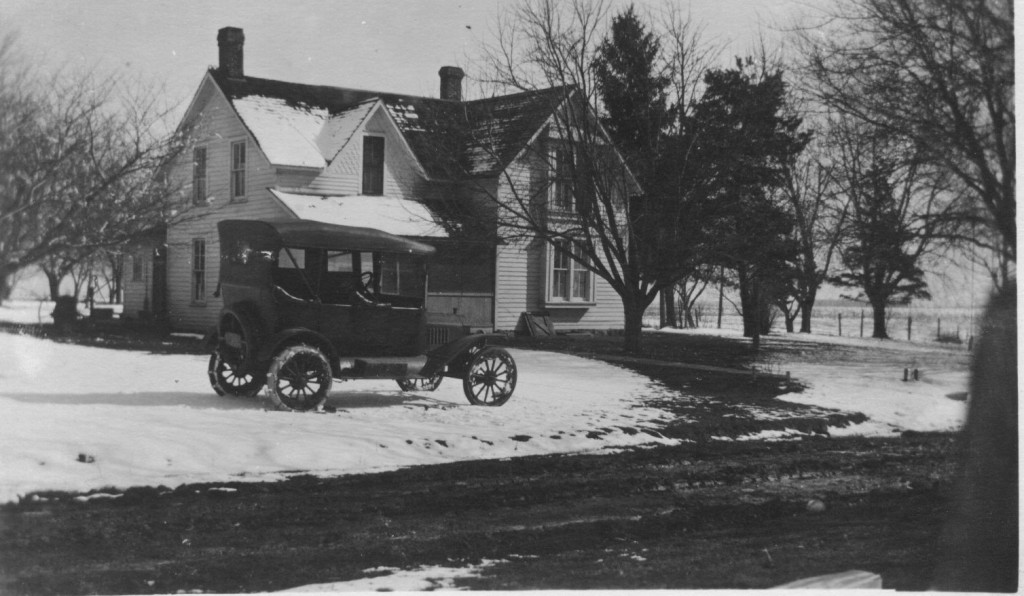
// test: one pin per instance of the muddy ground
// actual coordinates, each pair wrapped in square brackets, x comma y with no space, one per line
[704,514]
[714,515]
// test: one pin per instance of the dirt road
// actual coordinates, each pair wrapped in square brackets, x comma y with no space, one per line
[699,515]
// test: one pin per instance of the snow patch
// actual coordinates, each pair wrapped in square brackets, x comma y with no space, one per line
[428,578]
[401,217]
[151,419]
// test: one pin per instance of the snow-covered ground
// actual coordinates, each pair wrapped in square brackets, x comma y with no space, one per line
[139,418]
[873,383]
[80,418]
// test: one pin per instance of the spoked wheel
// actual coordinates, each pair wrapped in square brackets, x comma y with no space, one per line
[429,384]
[490,378]
[226,380]
[299,378]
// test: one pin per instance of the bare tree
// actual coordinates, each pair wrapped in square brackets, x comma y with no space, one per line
[109,262]
[81,157]
[687,292]
[899,209]
[939,72]
[809,191]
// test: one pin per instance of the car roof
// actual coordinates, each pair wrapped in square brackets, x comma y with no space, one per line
[312,234]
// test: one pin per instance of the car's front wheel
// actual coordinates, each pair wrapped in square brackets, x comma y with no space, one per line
[299,378]
[490,378]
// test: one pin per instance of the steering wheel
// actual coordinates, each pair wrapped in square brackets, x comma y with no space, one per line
[366,282]
[364,292]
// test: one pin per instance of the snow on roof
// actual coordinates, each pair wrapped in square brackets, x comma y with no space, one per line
[306,125]
[400,217]
[339,128]
[287,133]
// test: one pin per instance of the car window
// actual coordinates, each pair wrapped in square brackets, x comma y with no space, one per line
[340,261]
[292,258]
[291,275]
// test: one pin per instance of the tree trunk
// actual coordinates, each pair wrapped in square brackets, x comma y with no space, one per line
[878,314]
[754,304]
[669,295]
[789,321]
[54,282]
[748,302]
[6,286]
[806,308]
[633,316]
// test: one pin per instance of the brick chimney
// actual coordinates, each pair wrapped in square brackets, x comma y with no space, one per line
[451,82]
[230,41]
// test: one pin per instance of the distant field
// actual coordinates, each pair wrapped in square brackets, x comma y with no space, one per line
[926,323]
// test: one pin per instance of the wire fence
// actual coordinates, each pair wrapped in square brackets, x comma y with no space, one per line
[952,325]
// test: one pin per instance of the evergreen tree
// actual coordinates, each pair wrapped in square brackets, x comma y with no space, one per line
[633,92]
[666,221]
[744,138]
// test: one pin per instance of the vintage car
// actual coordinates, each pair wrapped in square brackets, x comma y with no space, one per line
[308,302]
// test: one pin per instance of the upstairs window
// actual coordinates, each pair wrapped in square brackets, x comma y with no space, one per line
[238,170]
[373,165]
[562,165]
[199,175]
[569,280]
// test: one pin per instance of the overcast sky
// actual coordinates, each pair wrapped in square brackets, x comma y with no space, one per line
[395,46]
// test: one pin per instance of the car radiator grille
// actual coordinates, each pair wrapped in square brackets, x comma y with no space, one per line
[437,336]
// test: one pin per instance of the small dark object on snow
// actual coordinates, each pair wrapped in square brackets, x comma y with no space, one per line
[85,458]
[65,312]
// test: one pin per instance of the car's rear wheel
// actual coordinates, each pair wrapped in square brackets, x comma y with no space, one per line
[490,377]
[239,334]
[429,384]
[299,378]
[227,380]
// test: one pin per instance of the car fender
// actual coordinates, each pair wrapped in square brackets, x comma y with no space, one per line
[296,335]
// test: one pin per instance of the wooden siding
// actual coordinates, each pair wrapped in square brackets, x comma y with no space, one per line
[521,283]
[291,178]
[216,128]
[475,310]
[344,176]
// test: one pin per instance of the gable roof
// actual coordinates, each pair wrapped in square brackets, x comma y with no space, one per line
[307,125]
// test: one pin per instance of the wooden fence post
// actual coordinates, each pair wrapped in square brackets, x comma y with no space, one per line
[721,292]
[910,321]
[840,324]
[862,322]
[938,331]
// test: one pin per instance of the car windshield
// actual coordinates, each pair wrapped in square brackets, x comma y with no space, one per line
[401,275]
